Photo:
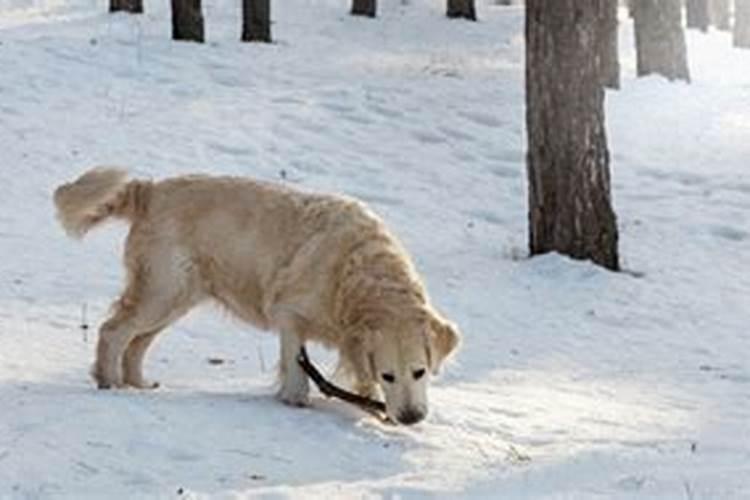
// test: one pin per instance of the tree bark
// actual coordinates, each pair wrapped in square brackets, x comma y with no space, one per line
[364,8]
[570,208]
[609,60]
[132,6]
[742,23]
[698,14]
[721,15]
[660,39]
[187,20]
[256,21]
[461,9]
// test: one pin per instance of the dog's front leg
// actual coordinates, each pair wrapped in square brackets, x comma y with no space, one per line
[295,387]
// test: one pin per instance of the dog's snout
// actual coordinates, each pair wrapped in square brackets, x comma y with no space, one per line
[411,416]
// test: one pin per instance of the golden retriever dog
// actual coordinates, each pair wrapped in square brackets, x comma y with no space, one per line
[308,266]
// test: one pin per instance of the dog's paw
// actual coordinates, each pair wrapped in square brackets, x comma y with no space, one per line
[103,382]
[106,385]
[294,396]
[146,385]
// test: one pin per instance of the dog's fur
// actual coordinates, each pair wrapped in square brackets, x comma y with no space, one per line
[308,266]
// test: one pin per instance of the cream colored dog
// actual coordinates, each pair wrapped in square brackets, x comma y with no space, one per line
[308,266]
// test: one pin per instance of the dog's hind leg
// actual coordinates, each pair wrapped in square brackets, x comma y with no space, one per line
[132,362]
[114,336]
[157,295]
[124,339]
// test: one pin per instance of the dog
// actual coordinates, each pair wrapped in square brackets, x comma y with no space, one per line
[308,266]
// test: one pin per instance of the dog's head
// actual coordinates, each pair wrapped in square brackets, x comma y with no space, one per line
[402,359]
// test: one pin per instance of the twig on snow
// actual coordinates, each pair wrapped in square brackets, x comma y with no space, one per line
[84,323]
[328,389]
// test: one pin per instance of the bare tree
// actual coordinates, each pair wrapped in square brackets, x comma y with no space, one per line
[660,39]
[698,14]
[256,21]
[570,209]
[742,23]
[461,9]
[364,8]
[132,6]
[187,20]
[721,15]
[609,54]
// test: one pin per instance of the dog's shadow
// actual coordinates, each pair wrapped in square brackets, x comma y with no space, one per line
[194,440]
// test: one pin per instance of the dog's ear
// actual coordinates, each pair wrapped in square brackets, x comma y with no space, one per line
[443,339]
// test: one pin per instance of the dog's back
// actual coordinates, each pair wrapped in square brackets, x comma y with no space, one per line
[249,244]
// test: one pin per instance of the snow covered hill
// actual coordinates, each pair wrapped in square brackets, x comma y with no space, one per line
[573,382]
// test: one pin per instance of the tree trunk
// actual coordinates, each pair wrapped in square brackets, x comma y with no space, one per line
[364,8]
[462,9]
[187,20]
[721,15]
[256,21]
[660,39]
[698,14]
[132,6]
[570,209]
[742,23]
[609,60]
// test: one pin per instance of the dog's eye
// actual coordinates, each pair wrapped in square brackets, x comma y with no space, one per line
[388,377]
[418,373]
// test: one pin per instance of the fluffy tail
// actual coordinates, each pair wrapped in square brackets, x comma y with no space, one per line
[96,196]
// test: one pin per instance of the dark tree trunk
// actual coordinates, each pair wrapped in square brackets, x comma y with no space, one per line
[187,20]
[698,14]
[742,23]
[721,15]
[570,209]
[462,9]
[256,21]
[660,39]
[132,6]
[364,8]
[609,60]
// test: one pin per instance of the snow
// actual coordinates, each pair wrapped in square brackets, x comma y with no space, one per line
[572,382]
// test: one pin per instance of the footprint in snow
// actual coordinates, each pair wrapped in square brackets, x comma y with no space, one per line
[230,149]
[384,111]
[485,216]
[508,156]
[456,134]
[287,100]
[506,172]
[359,119]
[729,233]
[6,110]
[485,120]
[428,137]
[338,107]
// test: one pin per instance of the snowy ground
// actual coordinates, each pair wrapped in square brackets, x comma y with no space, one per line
[573,382]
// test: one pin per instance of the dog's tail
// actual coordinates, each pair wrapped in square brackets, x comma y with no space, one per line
[96,196]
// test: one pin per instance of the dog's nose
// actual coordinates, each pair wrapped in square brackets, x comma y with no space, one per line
[411,416]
